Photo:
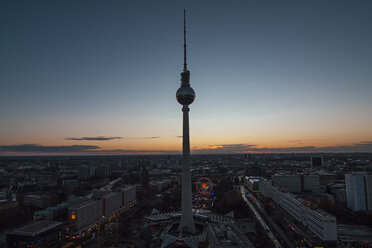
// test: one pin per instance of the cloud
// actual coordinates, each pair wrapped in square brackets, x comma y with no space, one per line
[365,146]
[99,138]
[103,138]
[365,143]
[34,148]
[294,141]
[133,152]
[223,149]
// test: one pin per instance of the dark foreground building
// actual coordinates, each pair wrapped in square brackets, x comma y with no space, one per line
[38,234]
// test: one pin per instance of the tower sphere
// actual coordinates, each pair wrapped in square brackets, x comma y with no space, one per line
[185,95]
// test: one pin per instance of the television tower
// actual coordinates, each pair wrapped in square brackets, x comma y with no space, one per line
[185,95]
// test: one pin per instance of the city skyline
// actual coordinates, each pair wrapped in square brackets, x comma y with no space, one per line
[94,78]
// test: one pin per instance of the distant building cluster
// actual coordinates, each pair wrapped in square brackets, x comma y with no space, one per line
[76,200]
[300,190]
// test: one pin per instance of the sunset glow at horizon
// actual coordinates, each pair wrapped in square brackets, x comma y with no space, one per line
[99,78]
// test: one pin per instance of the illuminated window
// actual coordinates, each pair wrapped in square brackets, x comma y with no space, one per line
[73,217]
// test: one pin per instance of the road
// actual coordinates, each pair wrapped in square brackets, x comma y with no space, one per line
[259,218]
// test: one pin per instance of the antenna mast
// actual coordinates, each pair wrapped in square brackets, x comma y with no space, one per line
[184,41]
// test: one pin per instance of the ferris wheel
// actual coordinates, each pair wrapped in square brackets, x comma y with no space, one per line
[204,186]
[203,198]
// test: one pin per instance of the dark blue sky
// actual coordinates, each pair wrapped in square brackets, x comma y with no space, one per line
[265,72]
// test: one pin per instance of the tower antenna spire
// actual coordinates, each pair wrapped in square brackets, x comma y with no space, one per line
[184,41]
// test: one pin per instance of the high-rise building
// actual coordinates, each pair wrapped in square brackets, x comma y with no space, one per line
[316,162]
[101,171]
[83,172]
[368,182]
[359,191]
[145,182]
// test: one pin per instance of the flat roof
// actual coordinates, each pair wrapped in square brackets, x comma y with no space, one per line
[37,228]
[211,216]
[82,205]
[228,235]
[354,231]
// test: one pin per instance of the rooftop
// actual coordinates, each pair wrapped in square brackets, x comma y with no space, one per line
[82,205]
[205,216]
[37,228]
[307,204]
[354,233]
[227,235]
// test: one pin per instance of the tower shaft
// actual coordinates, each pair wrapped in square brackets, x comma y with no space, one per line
[187,220]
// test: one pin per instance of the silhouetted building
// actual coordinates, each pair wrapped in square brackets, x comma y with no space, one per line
[145,180]
[236,184]
[10,213]
[36,201]
[83,172]
[316,162]
[101,171]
